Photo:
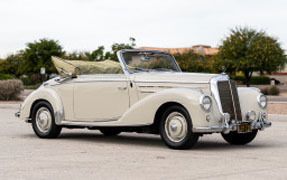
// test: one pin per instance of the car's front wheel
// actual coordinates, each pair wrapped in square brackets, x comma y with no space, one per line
[236,138]
[43,121]
[176,128]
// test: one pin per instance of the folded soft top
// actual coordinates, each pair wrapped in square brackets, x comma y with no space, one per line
[77,67]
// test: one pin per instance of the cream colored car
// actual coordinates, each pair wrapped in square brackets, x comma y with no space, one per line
[146,93]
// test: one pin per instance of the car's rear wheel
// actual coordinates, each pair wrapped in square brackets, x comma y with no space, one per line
[176,128]
[236,138]
[110,131]
[43,121]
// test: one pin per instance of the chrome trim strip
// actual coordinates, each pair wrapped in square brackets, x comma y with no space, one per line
[200,82]
[157,86]
[147,91]
[96,124]
[85,81]
[207,129]
[214,89]
[233,103]
[87,123]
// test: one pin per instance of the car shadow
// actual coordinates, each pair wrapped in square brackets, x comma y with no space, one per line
[122,139]
[224,146]
[152,141]
[155,141]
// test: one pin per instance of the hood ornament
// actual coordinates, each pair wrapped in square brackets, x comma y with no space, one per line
[223,70]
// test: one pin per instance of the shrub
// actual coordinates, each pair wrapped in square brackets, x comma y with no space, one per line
[6,76]
[10,89]
[31,80]
[265,91]
[255,80]
[27,81]
[260,80]
[273,90]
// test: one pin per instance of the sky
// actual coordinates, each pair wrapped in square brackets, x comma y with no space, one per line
[83,25]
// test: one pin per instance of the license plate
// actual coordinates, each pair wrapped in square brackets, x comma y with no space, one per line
[244,127]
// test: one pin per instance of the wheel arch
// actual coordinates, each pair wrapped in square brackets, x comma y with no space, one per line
[48,95]
[36,102]
[160,112]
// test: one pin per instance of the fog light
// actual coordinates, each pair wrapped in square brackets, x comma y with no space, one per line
[250,115]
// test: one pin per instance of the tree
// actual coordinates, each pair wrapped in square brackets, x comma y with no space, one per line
[75,55]
[248,50]
[192,62]
[38,54]
[96,55]
[119,46]
[3,66]
[14,64]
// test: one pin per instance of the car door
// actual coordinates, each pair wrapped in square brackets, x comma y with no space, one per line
[100,97]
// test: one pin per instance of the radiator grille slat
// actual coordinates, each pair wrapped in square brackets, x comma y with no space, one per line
[229,99]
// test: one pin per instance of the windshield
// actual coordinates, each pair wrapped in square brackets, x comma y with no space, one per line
[149,62]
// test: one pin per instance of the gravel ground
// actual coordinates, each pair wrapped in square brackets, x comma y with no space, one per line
[84,154]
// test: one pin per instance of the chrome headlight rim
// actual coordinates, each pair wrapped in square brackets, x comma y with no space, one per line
[204,97]
[260,102]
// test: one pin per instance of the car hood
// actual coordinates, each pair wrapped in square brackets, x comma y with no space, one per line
[176,78]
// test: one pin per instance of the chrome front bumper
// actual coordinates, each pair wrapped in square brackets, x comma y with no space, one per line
[232,126]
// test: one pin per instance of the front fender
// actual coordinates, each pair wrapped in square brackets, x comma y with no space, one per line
[143,112]
[46,94]
[248,101]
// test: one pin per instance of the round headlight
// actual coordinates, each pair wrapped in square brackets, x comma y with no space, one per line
[262,101]
[205,102]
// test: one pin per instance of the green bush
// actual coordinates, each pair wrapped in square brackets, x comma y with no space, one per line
[27,81]
[31,80]
[260,80]
[255,80]
[10,89]
[6,76]
[273,90]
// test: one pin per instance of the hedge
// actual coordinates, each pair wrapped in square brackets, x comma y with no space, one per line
[6,76]
[255,80]
[10,89]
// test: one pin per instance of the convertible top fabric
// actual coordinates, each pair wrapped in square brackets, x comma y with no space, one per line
[78,67]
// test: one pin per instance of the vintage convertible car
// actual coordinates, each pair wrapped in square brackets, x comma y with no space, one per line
[146,92]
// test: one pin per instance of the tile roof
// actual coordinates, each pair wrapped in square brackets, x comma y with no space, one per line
[200,49]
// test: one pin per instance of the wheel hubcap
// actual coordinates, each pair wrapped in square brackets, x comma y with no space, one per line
[43,119]
[175,127]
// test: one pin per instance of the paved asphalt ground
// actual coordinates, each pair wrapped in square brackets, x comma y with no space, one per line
[84,154]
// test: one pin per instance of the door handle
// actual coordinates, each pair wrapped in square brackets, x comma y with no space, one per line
[122,88]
